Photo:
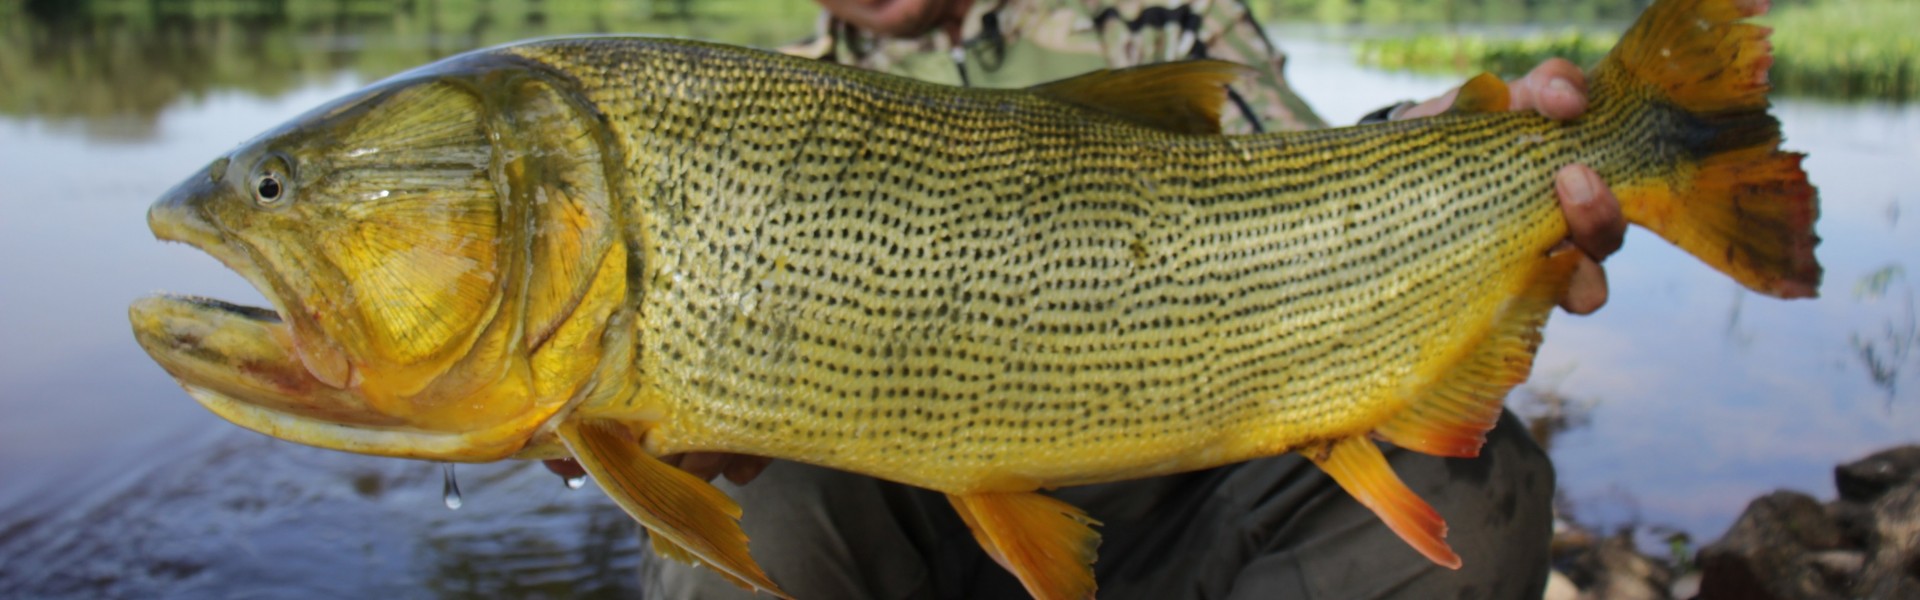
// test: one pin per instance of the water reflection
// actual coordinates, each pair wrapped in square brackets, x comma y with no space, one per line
[234,514]
[111,67]
[1885,352]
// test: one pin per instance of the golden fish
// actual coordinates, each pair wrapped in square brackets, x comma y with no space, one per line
[619,248]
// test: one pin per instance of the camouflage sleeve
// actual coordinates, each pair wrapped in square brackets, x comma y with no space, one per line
[1109,33]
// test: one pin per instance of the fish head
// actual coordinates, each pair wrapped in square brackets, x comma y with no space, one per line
[441,259]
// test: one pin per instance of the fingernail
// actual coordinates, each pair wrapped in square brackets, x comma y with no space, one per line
[1560,86]
[1576,187]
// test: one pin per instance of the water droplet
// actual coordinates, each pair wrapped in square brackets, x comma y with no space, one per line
[450,490]
[574,483]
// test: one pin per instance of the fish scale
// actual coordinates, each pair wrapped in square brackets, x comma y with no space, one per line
[1085,299]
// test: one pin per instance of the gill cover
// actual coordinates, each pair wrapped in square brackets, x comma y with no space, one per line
[482,294]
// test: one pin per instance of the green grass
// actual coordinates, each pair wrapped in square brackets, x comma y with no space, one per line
[1849,49]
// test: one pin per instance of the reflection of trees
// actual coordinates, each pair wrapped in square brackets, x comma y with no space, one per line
[114,65]
[1884,355]
[1736,335]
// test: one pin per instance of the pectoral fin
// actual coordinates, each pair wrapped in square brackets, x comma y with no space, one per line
[687,518]
[1357,465]
[1048,544]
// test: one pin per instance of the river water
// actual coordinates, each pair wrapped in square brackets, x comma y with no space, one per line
[1681,400]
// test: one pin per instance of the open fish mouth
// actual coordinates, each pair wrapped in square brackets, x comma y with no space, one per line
[239,362]
[246,364]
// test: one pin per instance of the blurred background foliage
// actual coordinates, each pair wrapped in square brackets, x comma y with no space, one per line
[1837,49]
[114,64]
[111,65]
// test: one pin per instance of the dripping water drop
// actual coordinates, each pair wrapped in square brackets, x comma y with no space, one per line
[574,482]
[450,489]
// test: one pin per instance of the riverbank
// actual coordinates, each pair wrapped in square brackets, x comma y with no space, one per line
[1865,543]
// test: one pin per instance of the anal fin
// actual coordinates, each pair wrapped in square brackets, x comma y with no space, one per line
[1360,469]
[1050,545]
[687,518]
[1452,415]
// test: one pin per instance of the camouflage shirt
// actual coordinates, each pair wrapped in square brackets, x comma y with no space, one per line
[1086,34]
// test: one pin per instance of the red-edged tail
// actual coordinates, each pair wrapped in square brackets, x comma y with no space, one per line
[1737,202]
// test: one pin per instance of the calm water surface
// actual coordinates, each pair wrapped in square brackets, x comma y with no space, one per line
[1687,396]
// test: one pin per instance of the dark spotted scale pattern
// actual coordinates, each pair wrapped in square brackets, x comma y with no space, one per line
[973,290]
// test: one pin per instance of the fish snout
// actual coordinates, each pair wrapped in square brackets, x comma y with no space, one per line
[178,215]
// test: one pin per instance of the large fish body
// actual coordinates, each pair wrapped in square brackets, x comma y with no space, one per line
[616,248]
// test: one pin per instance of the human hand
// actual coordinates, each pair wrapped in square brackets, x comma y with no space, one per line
[739,468]
[1558,90]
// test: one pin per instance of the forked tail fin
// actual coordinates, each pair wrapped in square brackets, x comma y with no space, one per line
[1737,202]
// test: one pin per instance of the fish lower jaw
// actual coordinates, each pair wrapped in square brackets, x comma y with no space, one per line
[395,441]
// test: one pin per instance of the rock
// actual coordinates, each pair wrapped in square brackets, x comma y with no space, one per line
[1855,520]
[1893,562]
[1866,544]
[1615,570]
[1686,586]
[1560,588]
[1866,479]
[1764,555]
[1838,567]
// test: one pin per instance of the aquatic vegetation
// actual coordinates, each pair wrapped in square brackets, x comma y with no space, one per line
[1467,53]
[1854,49]
[1885,353]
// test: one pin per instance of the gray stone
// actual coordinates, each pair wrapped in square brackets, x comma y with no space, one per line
[1855,520]
[1617,571]
[1866,479]
[1764,554]
[1840,568]
[1893,562]
[1560,588]
[1686,586]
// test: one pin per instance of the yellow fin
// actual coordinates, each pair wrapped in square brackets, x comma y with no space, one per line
[1357,465]
[1698,54]
[686,517]
[1451,417]
[1483,93]
[1741,205]
[1183,97]
[667,549]
[1048,544]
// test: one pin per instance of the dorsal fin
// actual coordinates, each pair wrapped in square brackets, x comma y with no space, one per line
[1182,97]
[1483,93]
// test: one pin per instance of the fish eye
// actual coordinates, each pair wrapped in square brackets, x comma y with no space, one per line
[269,189]
[272,185]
